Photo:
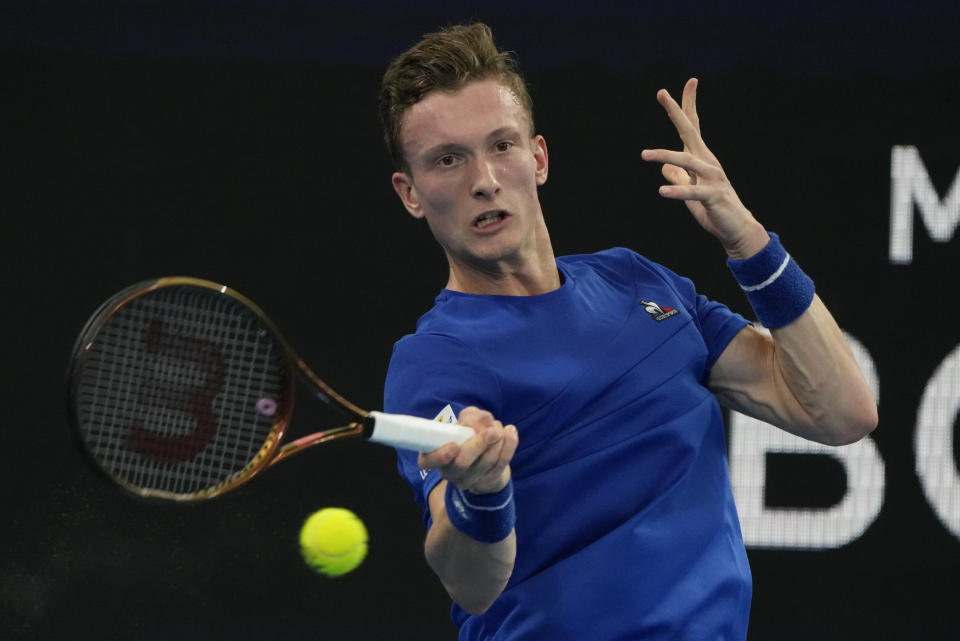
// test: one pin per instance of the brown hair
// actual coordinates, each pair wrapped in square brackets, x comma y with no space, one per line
[444,61]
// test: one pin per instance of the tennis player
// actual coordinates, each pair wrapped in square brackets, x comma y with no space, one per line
[593,501]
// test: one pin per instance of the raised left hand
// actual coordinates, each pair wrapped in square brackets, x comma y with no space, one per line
[696,177]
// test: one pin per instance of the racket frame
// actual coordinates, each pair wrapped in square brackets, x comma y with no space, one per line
[273,448]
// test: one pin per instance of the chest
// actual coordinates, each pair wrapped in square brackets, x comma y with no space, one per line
[608,347]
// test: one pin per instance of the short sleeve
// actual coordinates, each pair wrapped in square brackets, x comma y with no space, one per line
[717,323]
[427,373]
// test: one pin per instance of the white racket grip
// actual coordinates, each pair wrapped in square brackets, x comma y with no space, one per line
[413,432]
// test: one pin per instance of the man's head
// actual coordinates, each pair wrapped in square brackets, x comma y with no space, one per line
[444,61]
[457,118]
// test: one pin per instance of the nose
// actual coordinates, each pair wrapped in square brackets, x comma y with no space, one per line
[485,181]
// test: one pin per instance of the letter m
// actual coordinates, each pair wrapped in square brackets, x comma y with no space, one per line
[910,184]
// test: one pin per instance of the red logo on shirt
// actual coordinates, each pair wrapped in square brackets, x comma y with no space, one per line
[658,313]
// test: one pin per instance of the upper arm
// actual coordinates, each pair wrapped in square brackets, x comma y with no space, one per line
[427,373]
[745,378]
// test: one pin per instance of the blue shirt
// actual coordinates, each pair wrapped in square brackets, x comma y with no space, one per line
[626,526]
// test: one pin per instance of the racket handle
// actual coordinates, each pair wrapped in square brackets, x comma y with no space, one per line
[413,432]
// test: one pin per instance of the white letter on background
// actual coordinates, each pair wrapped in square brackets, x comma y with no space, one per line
[909,184]
[803,528]
[934,442]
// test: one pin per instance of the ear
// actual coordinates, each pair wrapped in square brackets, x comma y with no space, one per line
[539,148]
[403,185]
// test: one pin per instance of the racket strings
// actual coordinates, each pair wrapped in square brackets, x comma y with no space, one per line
[176,392]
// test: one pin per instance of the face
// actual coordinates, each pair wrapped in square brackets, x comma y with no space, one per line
[473,175]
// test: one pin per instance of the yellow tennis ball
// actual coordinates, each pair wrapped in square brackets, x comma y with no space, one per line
[333,541]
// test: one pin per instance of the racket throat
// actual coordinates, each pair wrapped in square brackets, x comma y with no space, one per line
[293,447]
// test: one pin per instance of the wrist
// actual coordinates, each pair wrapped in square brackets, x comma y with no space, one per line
[750,243]
[778,290]
[487,518]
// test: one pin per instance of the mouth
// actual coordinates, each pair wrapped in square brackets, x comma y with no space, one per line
[489,218]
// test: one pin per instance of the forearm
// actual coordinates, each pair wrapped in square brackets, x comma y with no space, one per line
[473,573]
[802,377]
[814,362]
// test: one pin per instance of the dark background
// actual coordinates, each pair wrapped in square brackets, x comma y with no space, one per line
[238,141]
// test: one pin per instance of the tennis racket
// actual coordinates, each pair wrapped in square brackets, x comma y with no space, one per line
[182,389]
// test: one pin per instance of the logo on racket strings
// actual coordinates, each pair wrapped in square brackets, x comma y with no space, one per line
[181,353]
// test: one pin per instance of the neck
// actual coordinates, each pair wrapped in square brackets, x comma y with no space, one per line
[530,280]
[528,274]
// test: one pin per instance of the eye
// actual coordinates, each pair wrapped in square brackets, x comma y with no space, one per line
[447,160]
[503,145]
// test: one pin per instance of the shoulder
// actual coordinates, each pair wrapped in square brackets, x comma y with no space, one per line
[625,265]
[605,259]
[429,371]
[427,352]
